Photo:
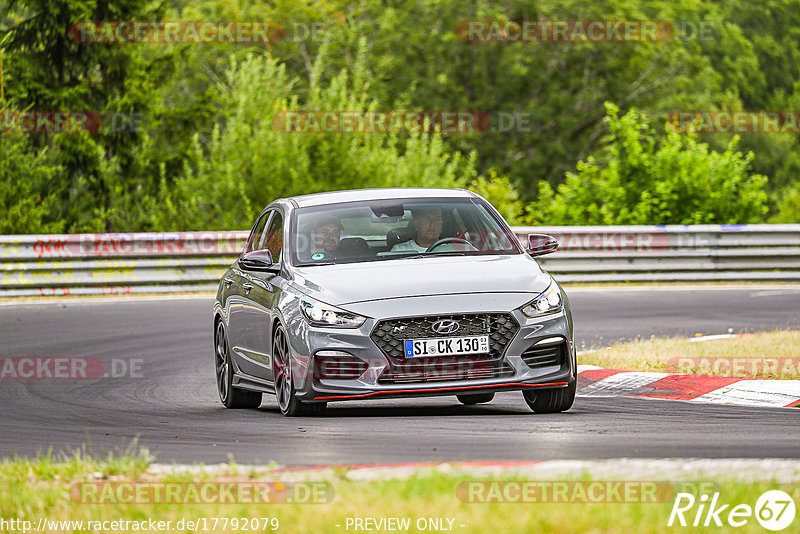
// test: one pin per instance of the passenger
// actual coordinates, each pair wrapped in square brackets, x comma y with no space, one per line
[325,236]
[428,223]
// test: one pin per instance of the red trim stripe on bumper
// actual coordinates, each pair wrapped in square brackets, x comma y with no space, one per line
[391,392]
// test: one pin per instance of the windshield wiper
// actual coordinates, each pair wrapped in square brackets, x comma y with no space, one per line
[435,254]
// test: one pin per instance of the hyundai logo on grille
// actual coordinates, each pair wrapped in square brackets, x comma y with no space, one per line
[445,326]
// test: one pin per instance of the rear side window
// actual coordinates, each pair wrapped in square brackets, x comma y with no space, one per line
[273,240]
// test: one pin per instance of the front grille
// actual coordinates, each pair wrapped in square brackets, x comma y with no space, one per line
[390,334]
[439,369]
[545,356]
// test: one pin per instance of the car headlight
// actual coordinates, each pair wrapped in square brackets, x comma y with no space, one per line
[319,314]
[549,301]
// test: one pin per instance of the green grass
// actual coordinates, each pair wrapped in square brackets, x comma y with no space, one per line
[30,489]
[48,467]
[769,355]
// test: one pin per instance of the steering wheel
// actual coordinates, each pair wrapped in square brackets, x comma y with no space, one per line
[446,240]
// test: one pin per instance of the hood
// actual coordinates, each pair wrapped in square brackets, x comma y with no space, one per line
[411,277]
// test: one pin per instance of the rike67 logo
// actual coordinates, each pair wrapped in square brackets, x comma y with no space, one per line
[774,510]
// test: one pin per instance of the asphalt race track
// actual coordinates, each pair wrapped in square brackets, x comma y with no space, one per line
[174,410]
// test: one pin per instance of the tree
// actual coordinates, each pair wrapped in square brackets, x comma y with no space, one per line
[28,204]
[46,70]
[251,159]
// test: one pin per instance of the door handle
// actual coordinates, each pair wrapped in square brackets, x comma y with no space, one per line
[228,282]
[247,287]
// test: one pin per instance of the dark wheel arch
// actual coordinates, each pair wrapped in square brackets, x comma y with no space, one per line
[285,393]
[230,396]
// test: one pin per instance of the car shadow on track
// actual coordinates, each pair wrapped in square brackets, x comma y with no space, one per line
[413,410]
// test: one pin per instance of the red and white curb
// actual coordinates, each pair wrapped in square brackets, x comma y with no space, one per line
[598,382]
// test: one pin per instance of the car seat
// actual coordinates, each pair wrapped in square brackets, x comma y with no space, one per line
[353,247]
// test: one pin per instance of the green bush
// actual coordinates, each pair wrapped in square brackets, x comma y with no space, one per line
[501,193]
[788,206]
[641,178]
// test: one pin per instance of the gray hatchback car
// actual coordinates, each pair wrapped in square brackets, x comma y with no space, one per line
[398,292]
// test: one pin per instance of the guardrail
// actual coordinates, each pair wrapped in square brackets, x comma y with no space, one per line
[85,264]
[90,264]
[754,252]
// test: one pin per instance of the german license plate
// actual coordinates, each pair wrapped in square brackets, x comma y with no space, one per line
[446,346]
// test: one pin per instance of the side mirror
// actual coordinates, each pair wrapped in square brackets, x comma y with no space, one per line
[257,260]
[541,244]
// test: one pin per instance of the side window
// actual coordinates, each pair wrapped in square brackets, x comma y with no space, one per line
[274,237]
[255,235]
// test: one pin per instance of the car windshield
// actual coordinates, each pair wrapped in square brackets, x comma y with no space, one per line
[387,230]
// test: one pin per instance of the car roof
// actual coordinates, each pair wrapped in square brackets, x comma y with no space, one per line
[387,193]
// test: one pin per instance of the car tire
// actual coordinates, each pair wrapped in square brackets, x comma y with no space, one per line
[475,398]
[230,396]
[285,392]
[551,400]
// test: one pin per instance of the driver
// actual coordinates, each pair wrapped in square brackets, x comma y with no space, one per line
[428,223]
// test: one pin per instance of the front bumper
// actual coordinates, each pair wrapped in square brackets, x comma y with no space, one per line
[440,389]
[517,370]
